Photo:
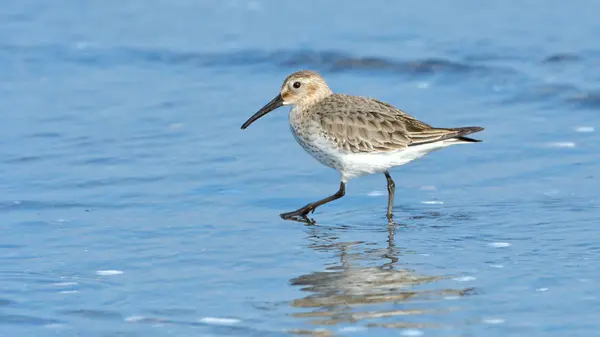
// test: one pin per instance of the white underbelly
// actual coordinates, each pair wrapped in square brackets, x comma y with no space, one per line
[359,164]
[352,165]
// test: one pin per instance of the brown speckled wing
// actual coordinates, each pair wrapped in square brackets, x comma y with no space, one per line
[358,124]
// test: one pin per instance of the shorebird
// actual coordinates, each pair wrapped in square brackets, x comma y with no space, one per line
[354,135]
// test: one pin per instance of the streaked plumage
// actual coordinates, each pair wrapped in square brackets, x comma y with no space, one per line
[355,135]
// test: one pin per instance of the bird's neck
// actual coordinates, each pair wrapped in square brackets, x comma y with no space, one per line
[301,112]
[314,99]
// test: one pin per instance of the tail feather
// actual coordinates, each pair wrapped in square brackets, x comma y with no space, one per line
[466,131]
[435,135]
[469,140]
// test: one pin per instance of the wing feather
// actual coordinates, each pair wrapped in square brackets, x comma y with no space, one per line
[359,124]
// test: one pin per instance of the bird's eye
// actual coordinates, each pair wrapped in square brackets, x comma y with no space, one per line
[297,85]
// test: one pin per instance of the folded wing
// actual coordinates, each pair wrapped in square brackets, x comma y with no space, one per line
[359,124]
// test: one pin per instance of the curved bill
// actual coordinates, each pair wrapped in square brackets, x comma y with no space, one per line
[274,104]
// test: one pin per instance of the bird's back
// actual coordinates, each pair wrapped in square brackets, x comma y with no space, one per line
[359,124]
[365,109]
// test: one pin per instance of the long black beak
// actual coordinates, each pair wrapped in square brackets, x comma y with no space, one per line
[274,104]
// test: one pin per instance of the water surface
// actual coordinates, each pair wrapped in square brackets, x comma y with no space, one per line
[134,205]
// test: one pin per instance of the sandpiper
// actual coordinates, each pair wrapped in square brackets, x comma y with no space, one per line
[354,135]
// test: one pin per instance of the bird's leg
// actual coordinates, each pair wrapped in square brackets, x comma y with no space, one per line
[302,212]
[391,188]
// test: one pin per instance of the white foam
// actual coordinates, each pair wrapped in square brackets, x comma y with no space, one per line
[219,320]
[496,266]
[352,329]
[376,193]
[109,272]
[552,193]
[64,284]
[422,85]
[411,332]
[69,291]
[500,244]
[541,289]
[494,320]
[564,145]
[452,298]
[585,129]
[465,278]
[134,319]
[432,202]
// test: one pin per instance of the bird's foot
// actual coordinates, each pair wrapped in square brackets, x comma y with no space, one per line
[300,218]
[300,214]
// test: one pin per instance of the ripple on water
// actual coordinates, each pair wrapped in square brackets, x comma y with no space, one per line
[326,60]
[412,332]
[93,314]
[432,202]
[109,272]
[586,100]
[38,205]
[27,320]
[559,58]
[52,292]
[494,321]
[585,129]
[373,216]
[562,145]
[219,320]
[500,244]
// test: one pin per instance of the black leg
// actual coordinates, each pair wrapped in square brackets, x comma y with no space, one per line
[391,188]
[302,212]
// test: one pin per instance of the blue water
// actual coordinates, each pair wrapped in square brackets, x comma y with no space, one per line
[133,205]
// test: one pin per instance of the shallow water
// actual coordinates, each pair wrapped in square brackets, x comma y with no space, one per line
[134,205]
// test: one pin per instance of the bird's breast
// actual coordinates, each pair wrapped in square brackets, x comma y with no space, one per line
[310,136]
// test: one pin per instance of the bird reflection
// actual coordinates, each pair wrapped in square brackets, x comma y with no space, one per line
[348,293]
